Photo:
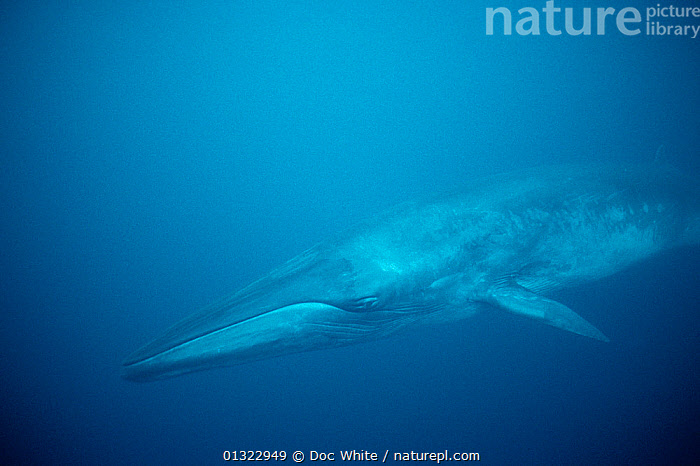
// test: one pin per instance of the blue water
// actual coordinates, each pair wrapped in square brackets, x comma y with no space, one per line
[157,156]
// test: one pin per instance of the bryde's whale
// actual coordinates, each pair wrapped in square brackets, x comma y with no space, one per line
[504,245]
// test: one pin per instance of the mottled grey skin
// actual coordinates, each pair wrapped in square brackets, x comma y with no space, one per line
[504,245]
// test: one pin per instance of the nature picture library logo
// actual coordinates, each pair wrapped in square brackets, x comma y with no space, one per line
[658,20]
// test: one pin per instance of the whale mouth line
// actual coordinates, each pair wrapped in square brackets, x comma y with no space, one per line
[132,361]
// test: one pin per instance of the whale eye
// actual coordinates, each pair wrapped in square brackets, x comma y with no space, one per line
[364,304]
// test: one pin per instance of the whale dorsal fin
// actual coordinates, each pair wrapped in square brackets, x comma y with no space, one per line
[514,298]
[661,157]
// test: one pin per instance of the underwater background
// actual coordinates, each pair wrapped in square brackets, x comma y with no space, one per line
[158,155]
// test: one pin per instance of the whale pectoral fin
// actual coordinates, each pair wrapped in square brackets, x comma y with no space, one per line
[519,300]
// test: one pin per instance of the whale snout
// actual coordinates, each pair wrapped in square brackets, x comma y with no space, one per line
[289,329]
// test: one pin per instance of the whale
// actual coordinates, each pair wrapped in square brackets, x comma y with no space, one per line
[506,243]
